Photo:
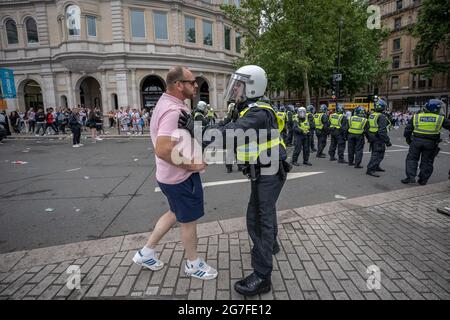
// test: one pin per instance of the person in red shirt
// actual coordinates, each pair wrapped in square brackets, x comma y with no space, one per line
[51,121]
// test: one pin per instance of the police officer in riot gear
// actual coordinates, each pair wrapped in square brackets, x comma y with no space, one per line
[301,131]
[200,113]
[246,87]
[338,133]
[290,125]
[358,127]
[321,123]
[378,137]
[310,111]
[422,134]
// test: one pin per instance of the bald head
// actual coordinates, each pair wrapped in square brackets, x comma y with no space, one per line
[174,74]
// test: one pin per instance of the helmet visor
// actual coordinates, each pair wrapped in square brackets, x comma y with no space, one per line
[302,113]
[236,88]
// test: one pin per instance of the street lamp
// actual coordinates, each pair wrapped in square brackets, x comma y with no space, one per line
[341,25]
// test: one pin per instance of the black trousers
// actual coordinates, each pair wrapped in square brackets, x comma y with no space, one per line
[355,148]
[31,125]
[378,148]
[311,139]
[425,150]
[290,135]
[321,141]
[262,221]
[301,143]
[337,142]
[76,132]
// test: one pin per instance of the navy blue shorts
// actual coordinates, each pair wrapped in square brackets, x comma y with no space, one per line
[185,198]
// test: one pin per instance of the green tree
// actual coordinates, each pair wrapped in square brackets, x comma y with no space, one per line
[433,30]
[296,42]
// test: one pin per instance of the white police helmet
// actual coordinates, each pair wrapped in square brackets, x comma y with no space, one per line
[302,112]
[246,83]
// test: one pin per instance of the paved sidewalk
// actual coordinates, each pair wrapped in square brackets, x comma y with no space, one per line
[325,252]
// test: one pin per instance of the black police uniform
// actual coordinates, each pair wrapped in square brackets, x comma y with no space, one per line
[338,138]
[356,147]
[322,136]
[301,142]
[311,132]
[424,147]
[290,127]
[199,116]
[261,209]
[378,142]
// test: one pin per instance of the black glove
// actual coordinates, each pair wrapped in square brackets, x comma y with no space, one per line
[186,121]
[408,141]
[389,144]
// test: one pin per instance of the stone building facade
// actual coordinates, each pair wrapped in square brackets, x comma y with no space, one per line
[113,53]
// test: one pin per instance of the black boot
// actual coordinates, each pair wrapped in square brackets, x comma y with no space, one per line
[358,166]
[380,170]
[276,248]
[342,161]
[408,180]
[229,168]
[372,173]
[307,163]
[351,164]
[333,159]
[252,285]
[295,163]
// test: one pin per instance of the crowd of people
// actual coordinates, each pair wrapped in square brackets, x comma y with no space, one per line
[56,121]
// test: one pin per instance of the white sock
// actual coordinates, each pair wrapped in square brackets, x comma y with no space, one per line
[146,251]
[194,263]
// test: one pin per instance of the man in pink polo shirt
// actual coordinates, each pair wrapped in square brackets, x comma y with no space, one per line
[179,180]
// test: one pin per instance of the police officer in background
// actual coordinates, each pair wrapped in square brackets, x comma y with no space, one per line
[358,126]
[378,137]
[232,115]
[338,133]
[246,87]
[422,134]
[290,125]
[301,131]
[200,113]
[310,111]
[321,124]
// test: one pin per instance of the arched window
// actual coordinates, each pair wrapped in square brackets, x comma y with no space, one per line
[73,19]
[32,31]
[11,32]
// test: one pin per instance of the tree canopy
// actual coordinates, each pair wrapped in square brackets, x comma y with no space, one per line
[433,30]
[296,42]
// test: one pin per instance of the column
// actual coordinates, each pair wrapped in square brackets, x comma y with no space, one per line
[122,88]
[134,89]
[106,106]
[48,90]
[71,100]
[214,92]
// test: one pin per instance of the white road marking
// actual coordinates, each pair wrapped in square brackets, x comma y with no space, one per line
[73,170]
[290,176]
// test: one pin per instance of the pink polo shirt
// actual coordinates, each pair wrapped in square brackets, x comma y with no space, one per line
[164,122]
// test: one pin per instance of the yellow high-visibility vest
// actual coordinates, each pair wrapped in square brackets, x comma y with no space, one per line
[427,123]
[318,120]
[373,122]
[250,152]
[335,120]
[356,125]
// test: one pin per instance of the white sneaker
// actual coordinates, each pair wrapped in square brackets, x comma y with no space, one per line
[203,271]
[98,139]
[80,144]
[151,263]
[76,146]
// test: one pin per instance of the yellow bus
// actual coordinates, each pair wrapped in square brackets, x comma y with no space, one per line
[357,101]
